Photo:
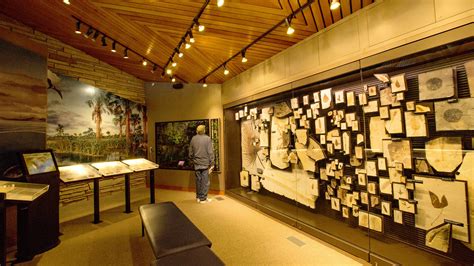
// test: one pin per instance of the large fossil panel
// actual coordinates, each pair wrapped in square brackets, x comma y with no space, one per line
[250,146]
[377,133]
[398,151]
[308,163]
[444,154]
[279,140]
[281,110]
[415,125]
[315,151]
[465,173]
[455,116]
[436,84]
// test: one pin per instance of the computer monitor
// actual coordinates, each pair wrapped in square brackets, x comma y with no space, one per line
[39,162]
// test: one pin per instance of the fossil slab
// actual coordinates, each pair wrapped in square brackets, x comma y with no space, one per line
[315,151]
[465,173]
[444,154]
[438,200]
[302,136]
[250,146]
[387,98]
[398,83]
[377,133]
[439,237]
[397,152]
[281,110]
[308,163]
[469,66]
[395,124]
[326,98]
[438,84]
[415,125]
[280,139]
[455,116]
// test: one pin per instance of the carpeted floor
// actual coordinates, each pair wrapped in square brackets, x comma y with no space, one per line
[240,235]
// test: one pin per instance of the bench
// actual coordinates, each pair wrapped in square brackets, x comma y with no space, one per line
[173,237]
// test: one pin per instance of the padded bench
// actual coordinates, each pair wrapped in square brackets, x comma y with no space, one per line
[171,232]
[201,256]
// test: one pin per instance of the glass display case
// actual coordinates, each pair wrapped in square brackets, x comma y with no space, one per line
[140,164]
[375,161]
[78,172]
[112,168]
[20,191]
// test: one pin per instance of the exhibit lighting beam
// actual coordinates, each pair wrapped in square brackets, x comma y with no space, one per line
[282,22]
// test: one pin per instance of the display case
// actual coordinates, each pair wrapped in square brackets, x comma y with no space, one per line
[19,191]
[112,168]
[375,161]
[78,172]
[140,164]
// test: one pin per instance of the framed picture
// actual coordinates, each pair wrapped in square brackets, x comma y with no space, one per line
[384,112]
[364,197]
[339,97]
[398,83]
[394,125]
[320,125]
[407,206]
[397,216]
[382,163]
[363,219]
[372,187]
[362,99]
[416,125]
[373,91]
[355,210]
[306,100]
[386,208]
[400,96]
[345,212]
[335,204]
[374,201]
[371,168]
[400,191]
[376,222]
[410,105]
[294,103]
[326,98]
[350,98]
[316,97]
[371,107]
[385,186]
[361,179]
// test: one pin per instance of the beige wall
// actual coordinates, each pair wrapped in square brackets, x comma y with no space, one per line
[192,102]
[382,26]
[66,60]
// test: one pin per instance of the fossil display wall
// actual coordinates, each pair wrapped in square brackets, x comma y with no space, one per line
[391,154]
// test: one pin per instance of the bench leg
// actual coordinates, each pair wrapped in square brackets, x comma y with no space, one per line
[143,230]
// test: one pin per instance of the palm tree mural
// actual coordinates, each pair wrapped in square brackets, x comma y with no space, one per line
[119,120]
[98,105]
[142,110]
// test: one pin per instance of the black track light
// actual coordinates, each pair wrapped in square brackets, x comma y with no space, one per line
[154,68]
[191,37]
[78,27]
[104,41]
[244,59]
[113,50]
[125,53]
[88,32]
[96,35]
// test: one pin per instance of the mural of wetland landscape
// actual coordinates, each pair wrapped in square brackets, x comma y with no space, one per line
[86,124]
[23,87]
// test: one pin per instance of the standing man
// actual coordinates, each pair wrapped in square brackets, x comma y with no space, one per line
[201,154]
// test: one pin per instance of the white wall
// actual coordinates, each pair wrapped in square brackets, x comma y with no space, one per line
[192,102]
[382,26]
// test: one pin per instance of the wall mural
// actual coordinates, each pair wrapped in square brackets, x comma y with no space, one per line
[173,138]
[86,124]
[319,146]
[23,97]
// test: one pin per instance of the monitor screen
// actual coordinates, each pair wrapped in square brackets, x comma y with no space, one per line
[39,163]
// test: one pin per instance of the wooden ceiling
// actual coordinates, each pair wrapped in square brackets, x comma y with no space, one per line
[153,29]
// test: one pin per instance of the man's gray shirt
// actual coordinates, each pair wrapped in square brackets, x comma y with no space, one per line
[201,152]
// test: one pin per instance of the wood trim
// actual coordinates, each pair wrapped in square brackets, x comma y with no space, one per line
[23,42]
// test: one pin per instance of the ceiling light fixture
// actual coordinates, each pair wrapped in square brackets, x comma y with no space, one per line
[173,79]
[201,27]
[88,32]
[125,53]
[191,37]
[226,71]
[144,62]
[169,71]
[204,84]
[154,68]
[335,4]
[173,64]
[104,41]
[290,29]
[78,27]
[187,45]
[114,44]
[244,59]
[220,3]
[67,2]
[96,35]
[180,54]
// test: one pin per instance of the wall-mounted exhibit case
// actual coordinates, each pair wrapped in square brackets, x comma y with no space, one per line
[376,161]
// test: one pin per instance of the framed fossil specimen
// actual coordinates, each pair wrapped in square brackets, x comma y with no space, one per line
[346,142]
[355,125]
[439,200]
[400,96]
[326,98]
[439,237]
[371,168]
[407,206]
[371,107]
[355,210]
[455,116]
[320,125]
[398,83]
[423,108]
[376,222]
[314,187]
[374,201]
[400,191]
[384,112]
[330,148]
[316,98]
[294,103]
[422,166]
[364,197]
[395,124]
[362,99]
[315,151]
[382,163]
[385,186]
[359,152]
[361,179]
[255,183]
[386,208]
[398,151]
[363,219]
[336,204]
[416,125]
[339,97]
[345,212]
[438,84]
[397,216]
[387,98]
[350,98]
[306,100]
[444,154]
[373,91]
[281,110]
[396,175]
[244,178]
[377,134]
[410,105]
[372,187]
[469,66]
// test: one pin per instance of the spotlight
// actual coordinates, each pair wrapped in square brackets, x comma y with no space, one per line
[169,71]
[290,29]
[204,84]
[78,27]
[173,79]
[89,32]
[180,54]
[220,3]
[335,4]
[104,41]
[67,2]
[113,50]
[173,64]
[125,53]
[187,45]
[244,59]
[200,27]
[96,35]
[191,37]
[153,69]
[144,62]
[226,71]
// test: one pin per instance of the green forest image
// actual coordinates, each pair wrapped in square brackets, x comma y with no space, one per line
[86,124]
